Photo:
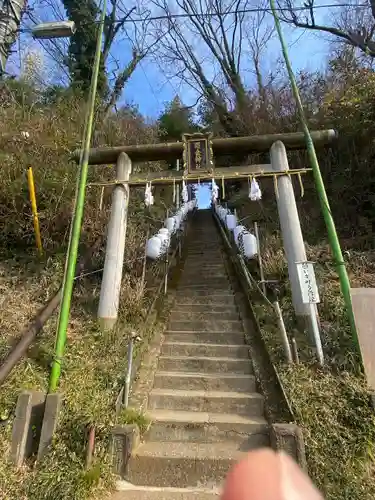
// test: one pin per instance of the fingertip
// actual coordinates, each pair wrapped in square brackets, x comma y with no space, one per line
[255,477]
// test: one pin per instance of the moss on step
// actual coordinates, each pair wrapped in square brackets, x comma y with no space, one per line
[131,416]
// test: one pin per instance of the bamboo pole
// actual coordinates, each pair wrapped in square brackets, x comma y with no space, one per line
[71,259]
[38,238]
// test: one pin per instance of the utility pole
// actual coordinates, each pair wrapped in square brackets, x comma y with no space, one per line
[10,19]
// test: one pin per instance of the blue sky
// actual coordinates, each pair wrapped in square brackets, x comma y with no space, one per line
[204,195]
[150,89]
[308,51]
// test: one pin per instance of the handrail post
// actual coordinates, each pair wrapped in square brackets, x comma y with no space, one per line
[115,248]
[260,260]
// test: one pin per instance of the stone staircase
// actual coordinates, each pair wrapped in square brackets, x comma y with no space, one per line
[204,404]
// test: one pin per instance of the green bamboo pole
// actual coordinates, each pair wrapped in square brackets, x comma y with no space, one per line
[71,259]
[324,203]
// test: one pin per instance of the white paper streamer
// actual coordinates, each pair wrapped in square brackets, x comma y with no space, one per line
[255,192]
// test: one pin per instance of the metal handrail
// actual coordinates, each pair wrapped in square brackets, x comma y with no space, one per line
[125,391]
[250,281]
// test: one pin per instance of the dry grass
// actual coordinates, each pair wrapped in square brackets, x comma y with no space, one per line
[331,405]
[93,372]
[94,363]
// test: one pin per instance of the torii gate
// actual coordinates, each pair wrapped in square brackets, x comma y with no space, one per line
[198,152]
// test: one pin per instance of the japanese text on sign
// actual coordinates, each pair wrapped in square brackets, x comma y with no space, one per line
[309,289]
[197,154]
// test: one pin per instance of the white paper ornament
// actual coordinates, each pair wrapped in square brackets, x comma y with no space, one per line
[255,192]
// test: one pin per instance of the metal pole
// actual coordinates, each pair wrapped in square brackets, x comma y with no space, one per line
[145,260]
[68,281]
[316,334]
[290,225]
[129,371]
[178,186]
[295,350]
[284,335]
[28,336]
[115,248]
[166,273]
[38,239]
[260,262]
[90,446]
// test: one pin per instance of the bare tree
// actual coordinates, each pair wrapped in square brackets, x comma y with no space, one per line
[207,48]
[121,26]
[204,49]
[259,34]
[136,29]
[353,24]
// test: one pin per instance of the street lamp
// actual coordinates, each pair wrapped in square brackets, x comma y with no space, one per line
[54,29]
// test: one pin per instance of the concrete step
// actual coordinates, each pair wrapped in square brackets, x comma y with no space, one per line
[205,292]
[207,261]
[205,308]
[192,265]
[202,249]
[185,297]
[204,280]
[128,491]
[239,403]
[209,240]
[204,364]
[204,270]
[182,464]
[205,248]
[205,256]
[195,427]
[205,381]
[205,274]
[209,286]
[213,325]
[194,315]
[195,349]
[204,337]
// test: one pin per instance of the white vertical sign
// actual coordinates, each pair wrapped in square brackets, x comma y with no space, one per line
[307,282]
[310,295]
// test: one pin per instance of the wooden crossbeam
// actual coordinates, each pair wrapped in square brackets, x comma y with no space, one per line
[231,145]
